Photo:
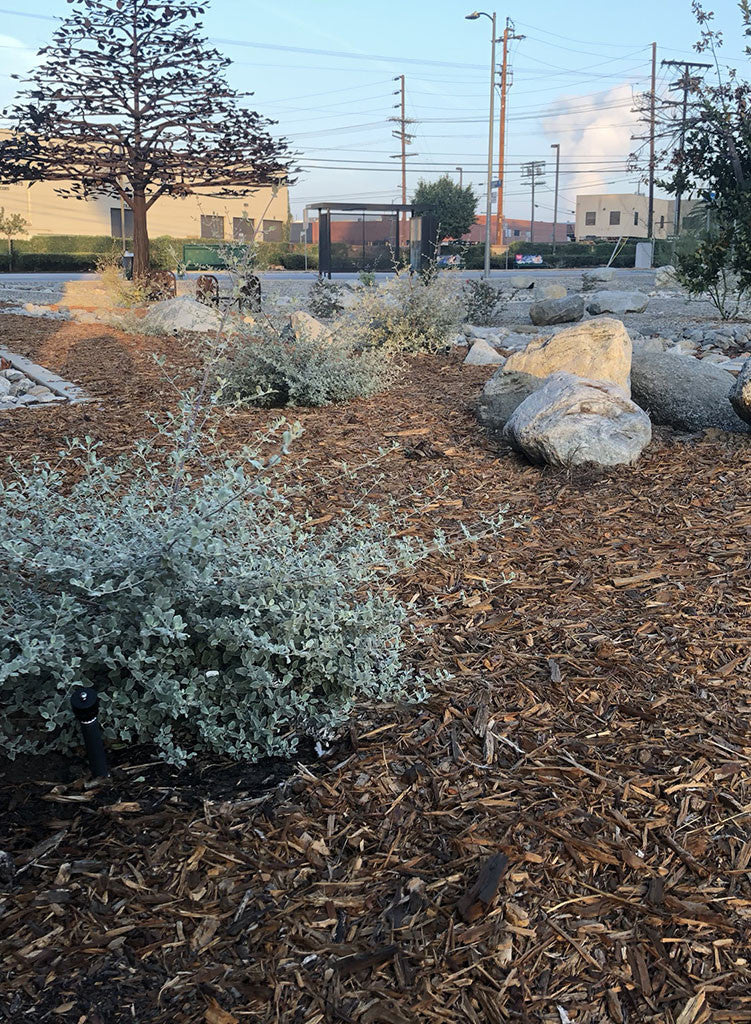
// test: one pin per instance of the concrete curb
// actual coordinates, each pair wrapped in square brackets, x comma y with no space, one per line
[70,392]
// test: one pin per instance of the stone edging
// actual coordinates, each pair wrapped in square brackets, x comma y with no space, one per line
[70,392]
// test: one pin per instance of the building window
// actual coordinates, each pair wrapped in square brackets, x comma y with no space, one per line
[517,232]
[590,218]
[272,231]
[115,225]
[662,222]
[243,229]
[615,217]
[212,226]
[636,218]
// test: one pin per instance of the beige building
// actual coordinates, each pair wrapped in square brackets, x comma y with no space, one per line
[621,216]
[197,216]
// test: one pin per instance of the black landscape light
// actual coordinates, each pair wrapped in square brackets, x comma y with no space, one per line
[85,704]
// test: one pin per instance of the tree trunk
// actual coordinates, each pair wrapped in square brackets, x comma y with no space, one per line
[140,236]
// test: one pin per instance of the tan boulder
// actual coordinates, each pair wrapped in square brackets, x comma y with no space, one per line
[596,350]
[306,327]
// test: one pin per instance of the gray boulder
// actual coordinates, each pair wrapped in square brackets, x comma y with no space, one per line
[617,302]
[571,421]
[483,354]
[740,393]
[684,392]
[592,278]
[502,394]
[172,316]
[557,311]
[520,282]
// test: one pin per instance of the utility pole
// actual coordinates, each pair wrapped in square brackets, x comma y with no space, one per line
[403,135]
[557,147]
[508,33]
[687,82]
[531,170]
[461,176]
[652,97]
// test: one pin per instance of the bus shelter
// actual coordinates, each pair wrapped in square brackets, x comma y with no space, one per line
[375,237]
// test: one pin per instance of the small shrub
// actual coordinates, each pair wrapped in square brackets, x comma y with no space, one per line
[277,369]
[179,583]
[408,313]
[119,289]
[325,298]
[483,304]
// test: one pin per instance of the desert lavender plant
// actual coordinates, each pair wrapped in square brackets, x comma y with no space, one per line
[409,313]
[181,584]
[301,368]
[483,303]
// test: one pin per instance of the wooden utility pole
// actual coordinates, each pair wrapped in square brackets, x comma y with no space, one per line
[508,33]
[402,134]
[557,147]
[652,98]
[533,170]
[686,82]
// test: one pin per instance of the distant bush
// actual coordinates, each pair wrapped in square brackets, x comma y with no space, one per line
[277,369]
[180,584]
[483,303]
[78,262]
[408,313]
[325,298]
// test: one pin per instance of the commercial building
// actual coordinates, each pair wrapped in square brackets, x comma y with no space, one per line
[520,231]
[621,216]
[196,216]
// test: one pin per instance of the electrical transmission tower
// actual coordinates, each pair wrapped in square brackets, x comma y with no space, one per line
[533,172]
[402,134]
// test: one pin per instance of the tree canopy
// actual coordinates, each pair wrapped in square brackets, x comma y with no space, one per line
[454,205]
[129,100]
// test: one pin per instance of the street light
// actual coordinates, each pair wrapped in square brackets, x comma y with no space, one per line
[461,176]
[491,17]
[557,147]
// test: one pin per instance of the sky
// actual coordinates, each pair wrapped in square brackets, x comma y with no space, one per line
[325,69]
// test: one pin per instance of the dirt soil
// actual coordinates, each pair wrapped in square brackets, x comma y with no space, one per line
[561,831]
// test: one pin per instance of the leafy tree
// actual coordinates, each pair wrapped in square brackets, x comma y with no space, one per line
[11,224]
[129,100]
[715,164]
[455,206]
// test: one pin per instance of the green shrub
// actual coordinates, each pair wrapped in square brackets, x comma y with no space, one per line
[303,370]
[325,298]
[78,262]
[483,303]
[179,584]
[408,313]
[296,260]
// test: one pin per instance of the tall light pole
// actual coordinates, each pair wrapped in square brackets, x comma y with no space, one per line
[461,176]
[557,147]
[489,204]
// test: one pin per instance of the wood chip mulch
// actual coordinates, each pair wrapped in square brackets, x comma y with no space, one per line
[560,832]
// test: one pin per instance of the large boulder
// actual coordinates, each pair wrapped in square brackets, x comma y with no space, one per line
[521,282]
[502,394]
[665,279]
[597,350]
[684,392]
[617,302]
[174,316]
[592,278]
[740,393]
[306,328]
[572,422]
[557,311]
[483,354]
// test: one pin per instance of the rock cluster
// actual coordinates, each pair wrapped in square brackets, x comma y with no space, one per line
[16,390]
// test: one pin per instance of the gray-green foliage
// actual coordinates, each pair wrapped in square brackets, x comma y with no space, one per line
[303,370]
[181,584]
[325,298]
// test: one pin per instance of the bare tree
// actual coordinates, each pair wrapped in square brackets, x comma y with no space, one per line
[129,100]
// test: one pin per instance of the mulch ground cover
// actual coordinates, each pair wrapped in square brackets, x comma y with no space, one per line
[560,832]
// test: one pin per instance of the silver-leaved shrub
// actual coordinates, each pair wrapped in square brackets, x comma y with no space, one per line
[180,583]
[307,369]
[407,313]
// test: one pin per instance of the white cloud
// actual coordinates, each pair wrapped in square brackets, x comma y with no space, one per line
[595,133]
